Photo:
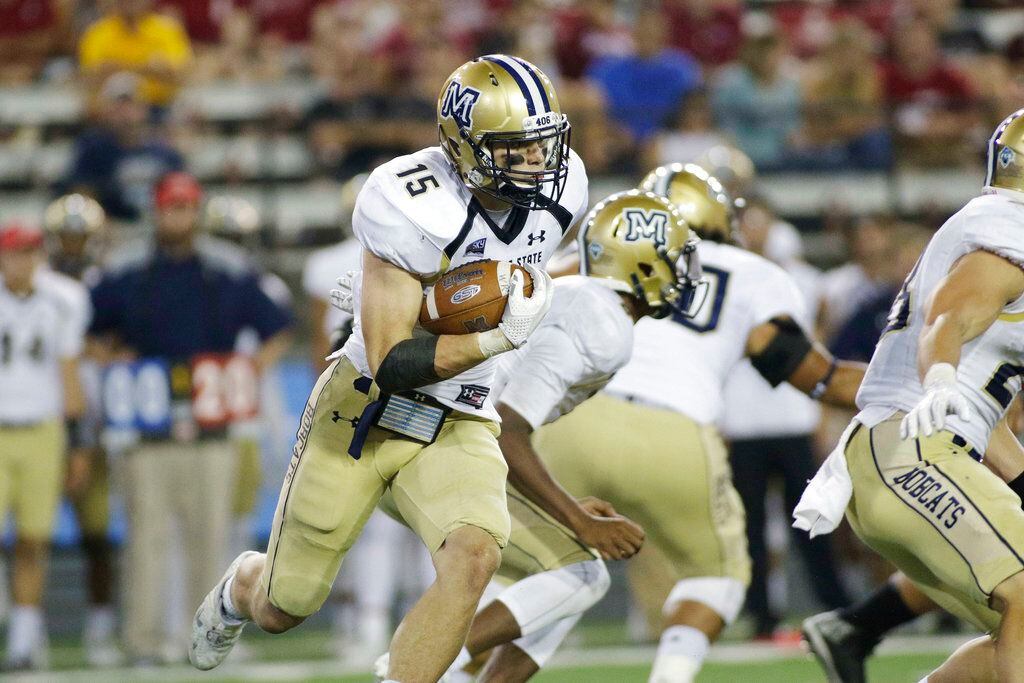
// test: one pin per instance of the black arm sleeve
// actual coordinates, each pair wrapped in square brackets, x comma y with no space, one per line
[784,352]
[408,365]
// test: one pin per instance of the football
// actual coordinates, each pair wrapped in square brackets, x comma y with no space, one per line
[470,298]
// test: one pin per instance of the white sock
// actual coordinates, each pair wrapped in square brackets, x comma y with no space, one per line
[923,680]
[228,612]
[25,631]
[100,624]
[681,653]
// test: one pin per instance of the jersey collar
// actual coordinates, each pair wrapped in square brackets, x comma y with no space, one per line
[1012,195]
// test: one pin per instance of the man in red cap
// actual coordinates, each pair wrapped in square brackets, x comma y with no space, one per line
[176,308]
[42,324]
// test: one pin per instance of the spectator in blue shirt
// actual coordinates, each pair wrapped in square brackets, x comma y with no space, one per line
[757,103]
[118,161]
[644,90]
[172,304]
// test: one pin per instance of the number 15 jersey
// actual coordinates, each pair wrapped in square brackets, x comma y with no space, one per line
[416,213]
[991,364]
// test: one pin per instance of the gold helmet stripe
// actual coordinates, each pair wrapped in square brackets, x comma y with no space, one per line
[993,142]
[530,89]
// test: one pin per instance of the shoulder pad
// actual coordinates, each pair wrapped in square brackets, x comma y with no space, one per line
[439,210]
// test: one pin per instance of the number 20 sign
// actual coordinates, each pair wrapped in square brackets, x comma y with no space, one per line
[225,389]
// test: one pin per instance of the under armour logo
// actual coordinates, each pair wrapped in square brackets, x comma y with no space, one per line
[648,224]
[531,238]
[354,421]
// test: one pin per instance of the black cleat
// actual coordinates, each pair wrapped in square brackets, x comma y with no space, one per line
[838,646]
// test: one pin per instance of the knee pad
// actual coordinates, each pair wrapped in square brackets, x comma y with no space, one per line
[724,595]
[542,599]
[541,645]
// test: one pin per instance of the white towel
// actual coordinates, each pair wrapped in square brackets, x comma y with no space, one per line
[824,501]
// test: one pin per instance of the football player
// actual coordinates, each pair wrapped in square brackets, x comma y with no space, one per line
[553,557]
[648,443]
[75,225]
[43,316]
[941,379]
[502,185]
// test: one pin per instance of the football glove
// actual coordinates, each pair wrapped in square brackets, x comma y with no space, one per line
[342,297]
[942,397]
[523,314]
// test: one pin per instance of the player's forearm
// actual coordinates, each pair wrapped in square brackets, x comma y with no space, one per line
[527,473]
[842,388]
[417,362]
[74,396]
[941,341]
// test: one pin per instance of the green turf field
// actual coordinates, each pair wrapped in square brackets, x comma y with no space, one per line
[301,657]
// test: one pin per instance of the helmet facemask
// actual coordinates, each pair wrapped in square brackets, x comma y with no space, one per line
[498,154]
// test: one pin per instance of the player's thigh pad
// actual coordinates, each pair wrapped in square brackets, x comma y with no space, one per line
[39,479]
[327,495]
[663,470]
[538,542]
[459,480]
[725,596]
[943,518]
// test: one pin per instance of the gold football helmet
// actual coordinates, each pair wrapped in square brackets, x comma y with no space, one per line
[1006,154]
[74,213]
[501,127]
[75,233]
[231,218]
[700,198]
[732,168]
[636,242]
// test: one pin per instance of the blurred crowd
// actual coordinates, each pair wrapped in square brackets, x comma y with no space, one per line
[795,84]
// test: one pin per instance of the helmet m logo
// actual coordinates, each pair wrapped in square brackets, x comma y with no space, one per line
[646,224]
[458,103]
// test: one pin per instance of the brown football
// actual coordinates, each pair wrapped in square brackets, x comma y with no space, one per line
[470,298]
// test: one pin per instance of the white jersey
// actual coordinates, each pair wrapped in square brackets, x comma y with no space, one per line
[37,332]
[753,409]
[682,364]
[323,268]
[416,213]
[585,338]
[990,367]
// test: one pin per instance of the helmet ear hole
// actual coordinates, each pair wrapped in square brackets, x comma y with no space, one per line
[646,268]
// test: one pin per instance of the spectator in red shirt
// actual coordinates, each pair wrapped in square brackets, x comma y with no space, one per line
[707,29]
[586,31]
[30,32]
[932,101]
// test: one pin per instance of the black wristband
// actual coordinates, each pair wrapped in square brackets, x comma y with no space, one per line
[822,386]
[76,439]
[1017,486]
[408,365]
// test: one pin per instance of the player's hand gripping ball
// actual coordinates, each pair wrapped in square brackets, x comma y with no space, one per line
[470,298]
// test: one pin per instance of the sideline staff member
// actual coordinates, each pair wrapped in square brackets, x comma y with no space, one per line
[169,304]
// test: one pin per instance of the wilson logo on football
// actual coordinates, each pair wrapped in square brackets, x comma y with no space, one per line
[465,294]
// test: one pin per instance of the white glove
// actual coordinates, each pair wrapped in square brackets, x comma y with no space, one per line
[522,314]
[942,397]
[341,298]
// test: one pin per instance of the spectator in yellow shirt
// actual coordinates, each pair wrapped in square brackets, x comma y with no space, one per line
[133,37]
